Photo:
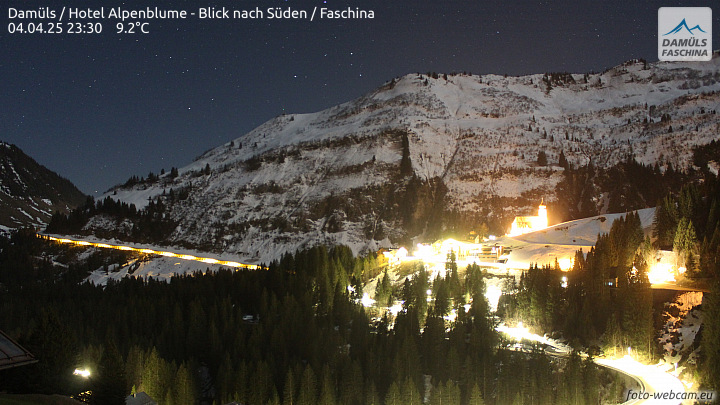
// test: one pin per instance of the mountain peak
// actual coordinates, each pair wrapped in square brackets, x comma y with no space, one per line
[428,153]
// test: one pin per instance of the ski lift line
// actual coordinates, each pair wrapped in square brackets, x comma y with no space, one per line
[182,256]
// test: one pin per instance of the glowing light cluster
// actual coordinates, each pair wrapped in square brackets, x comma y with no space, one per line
[522,225]
[452,316]
[154,252]
[395,309]
[493,294]
[566,263]
[520,333]
[82,372]
[661,273]
[395,257]
[424,251]
[655,378]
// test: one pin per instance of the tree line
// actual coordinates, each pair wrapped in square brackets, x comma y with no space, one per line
[293,333]
[152,224]
[605,302]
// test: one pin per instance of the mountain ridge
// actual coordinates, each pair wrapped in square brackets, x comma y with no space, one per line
[29,192]
[472,144]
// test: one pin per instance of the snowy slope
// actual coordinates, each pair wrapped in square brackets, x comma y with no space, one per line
[158,268]
[334,176]
[584,232]
[29,192]
[683,319]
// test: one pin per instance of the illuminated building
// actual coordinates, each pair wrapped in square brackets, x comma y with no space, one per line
[523,225]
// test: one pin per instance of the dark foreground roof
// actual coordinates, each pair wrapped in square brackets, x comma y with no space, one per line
[12,354]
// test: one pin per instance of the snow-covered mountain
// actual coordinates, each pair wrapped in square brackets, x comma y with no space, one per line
[425,152]
[29,192]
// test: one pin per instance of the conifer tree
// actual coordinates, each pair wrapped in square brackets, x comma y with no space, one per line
[685,243]
[410,393]
[393,396]
[451,393]
[562,161]
[308,388]
[289,389]
[542,158]
[153,382]
[371,394]
[110,383]
[437,395]
[184,386]
[475,397]
[327,389]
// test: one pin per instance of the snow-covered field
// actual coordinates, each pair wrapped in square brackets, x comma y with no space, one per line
[584,232]
[157,268]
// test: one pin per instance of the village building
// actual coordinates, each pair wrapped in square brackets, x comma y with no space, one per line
[522,225]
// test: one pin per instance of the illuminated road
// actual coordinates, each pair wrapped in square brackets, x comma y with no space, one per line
[676,287]
[652,379]
[655,381]
[182,256]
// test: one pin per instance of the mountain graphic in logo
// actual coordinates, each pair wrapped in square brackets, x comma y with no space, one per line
[682,25]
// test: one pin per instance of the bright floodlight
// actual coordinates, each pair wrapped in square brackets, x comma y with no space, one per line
[82,372]
[661,273]
[566,263]
[493,293]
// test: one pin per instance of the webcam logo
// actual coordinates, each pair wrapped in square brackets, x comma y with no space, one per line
[680,41]
[682,25]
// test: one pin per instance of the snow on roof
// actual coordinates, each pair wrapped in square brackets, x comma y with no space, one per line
[12,354]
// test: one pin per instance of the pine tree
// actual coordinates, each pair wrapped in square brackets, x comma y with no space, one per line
[475,397]
[371,394]
[289,389]
[393,396]
[542,158]
[591,381]
[572,377]
[383,290]
[134,366]
[562,161]
[110,383]
[308,388]
[184,387]
[56,349]
[410,393]
[274,397]
[451,393]
[152,376]
[327,389]
[665,222]
[441,291]
[685,243]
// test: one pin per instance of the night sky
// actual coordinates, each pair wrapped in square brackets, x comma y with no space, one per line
[98,108]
